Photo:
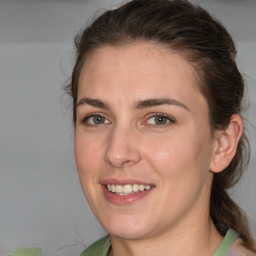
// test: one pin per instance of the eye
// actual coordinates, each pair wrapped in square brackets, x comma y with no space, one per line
[160,119]
[95,119]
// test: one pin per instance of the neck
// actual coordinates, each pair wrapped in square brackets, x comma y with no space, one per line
[192,238]
[186,242]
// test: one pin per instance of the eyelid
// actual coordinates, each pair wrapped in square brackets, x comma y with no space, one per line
[86,118]
[149,116]
[170,118]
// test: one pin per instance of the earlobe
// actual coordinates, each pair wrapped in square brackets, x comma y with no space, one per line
[226,144]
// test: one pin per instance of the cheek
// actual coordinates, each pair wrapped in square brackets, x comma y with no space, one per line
[87,162]
[176,155]
[182,168]
[87,155]
[168,152]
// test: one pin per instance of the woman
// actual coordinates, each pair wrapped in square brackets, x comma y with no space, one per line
[158,133]
[158,136]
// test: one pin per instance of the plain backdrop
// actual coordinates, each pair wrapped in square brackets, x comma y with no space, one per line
[41,203]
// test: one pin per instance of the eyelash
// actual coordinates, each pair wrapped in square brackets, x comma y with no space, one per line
[85,120]
[169,119]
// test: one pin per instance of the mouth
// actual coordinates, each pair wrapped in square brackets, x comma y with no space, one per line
[125,192]
[128,189]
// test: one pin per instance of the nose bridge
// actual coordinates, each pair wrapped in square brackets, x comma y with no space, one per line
[122,148]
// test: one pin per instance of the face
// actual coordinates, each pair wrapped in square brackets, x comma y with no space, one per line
[143,143]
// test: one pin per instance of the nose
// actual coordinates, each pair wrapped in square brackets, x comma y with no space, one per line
[122,148]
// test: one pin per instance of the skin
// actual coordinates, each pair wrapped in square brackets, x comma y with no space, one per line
[177,157]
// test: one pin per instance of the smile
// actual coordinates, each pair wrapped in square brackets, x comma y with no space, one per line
[127,189]
[125,192]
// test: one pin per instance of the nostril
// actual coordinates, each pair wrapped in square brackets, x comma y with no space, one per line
[121,151]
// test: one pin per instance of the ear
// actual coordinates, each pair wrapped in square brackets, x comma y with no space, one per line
[225,145]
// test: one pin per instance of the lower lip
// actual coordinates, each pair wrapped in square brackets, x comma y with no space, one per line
[125,199]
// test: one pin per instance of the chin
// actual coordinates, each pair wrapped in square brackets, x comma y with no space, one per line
[128,234]
[126,227]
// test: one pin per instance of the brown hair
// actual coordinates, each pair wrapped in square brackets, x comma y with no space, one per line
[204,42]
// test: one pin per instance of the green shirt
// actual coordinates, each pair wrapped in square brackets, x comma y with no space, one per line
[102,246]
[27,252]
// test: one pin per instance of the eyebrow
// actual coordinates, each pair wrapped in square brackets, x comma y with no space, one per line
[159,101]
[138,105]
[94,103]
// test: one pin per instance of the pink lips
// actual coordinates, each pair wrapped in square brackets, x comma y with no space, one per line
[124,199]
[123,182]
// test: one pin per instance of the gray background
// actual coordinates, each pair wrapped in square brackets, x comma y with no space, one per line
[41,203]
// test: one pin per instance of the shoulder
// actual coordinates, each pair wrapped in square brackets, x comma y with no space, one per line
[27,252]
[232,245]
[237,249]
[99,248]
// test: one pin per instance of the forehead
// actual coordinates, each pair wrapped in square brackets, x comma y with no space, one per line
[138,70]
[143,56]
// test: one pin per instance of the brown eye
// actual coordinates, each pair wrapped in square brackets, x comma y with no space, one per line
[160,120]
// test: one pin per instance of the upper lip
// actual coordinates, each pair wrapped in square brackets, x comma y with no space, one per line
[114,181]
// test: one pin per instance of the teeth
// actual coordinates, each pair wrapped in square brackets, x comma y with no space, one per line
[135,187]
[127,189]
[119,189]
